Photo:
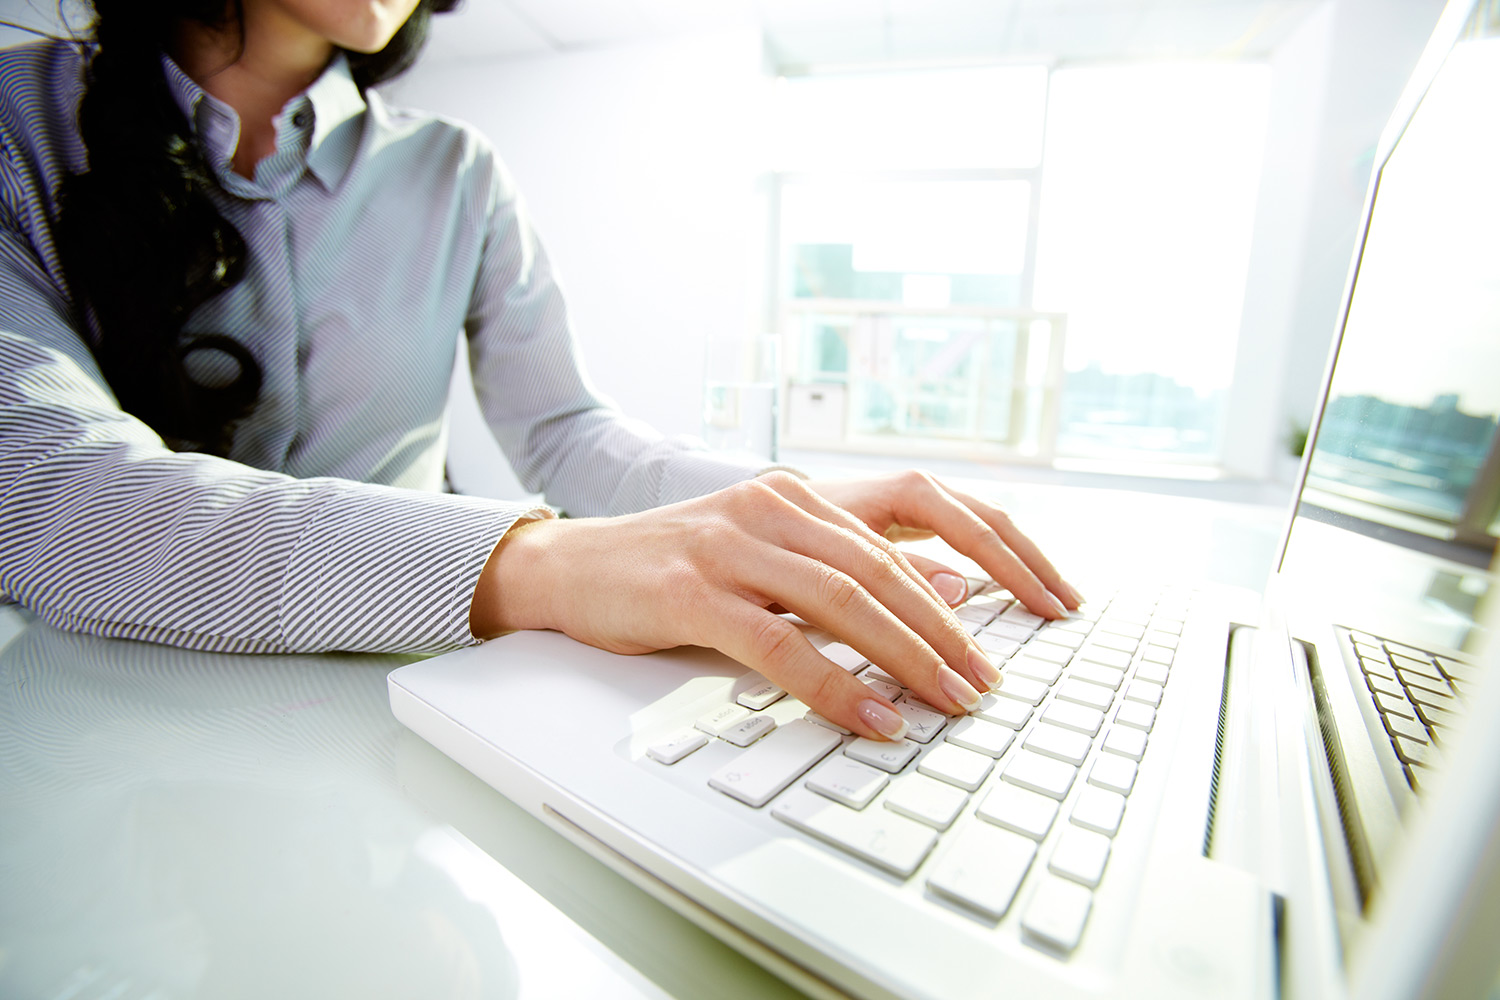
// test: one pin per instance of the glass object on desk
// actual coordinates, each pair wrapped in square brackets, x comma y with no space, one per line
[741,386]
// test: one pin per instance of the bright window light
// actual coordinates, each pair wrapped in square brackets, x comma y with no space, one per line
[983,117]
[1148,200]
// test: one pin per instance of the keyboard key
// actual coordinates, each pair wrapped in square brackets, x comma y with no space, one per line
[957,766]
[982,737]
[1458,671]
[1382,685]
[1057,913]
[1417,664]
[1136,715]
[1022,689]
[1163,638]
[1156,673]
[983,868]
[1114,773]
[1041,774]
[670,751]
[927,800]
[1076,624]
[1075,717]
[1019,809]
[1080,855]
[997,648]
[879,836]
[924,721]
[747,731]
[1395,703]
[1084,693]
[873,673]
[814,717]
[1041,671]
[1117,625]
[1427,696]
[883,754]
[1006,712]
[1114,658]
[1412,752]
[1157,654]
[1018,615]
[760,693]
[758,774]
[1005,630]
[722,718]
[1059,744]
[1059,637]
[1036,649]
[1098,673]
[845,656]
[994,603]
[846,780]
[1126,742]
[1377,667]
[1144,692]
[972,615]
[1111,640]
[1398,725]
[1099,810]
[1436,716]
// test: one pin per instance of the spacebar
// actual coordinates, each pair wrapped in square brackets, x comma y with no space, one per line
[755,776]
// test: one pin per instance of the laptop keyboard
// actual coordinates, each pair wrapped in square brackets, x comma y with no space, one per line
[1418,696]
[1034,783]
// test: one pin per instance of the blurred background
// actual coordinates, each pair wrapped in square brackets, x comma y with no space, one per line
[1087,241]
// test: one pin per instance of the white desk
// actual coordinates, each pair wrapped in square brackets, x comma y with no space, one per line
[177,824]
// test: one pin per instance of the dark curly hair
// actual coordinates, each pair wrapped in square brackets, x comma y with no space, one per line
[141,243]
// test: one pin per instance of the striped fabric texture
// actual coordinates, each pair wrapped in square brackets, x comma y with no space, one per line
[377,237]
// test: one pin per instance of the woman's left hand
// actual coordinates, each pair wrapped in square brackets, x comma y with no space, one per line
[913,505]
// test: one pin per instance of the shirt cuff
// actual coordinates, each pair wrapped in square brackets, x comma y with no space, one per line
[391,570]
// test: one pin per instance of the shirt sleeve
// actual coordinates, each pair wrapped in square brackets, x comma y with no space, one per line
[104,530]
[561,436]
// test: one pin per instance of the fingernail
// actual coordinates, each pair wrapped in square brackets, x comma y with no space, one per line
[1062,609]
[958,689]
[885,721]
[950,587]
[981,667]
[1073,593]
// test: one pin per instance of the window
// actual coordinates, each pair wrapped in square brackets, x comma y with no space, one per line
[1015,261]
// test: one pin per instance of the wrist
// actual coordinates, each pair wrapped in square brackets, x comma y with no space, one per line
[511,593]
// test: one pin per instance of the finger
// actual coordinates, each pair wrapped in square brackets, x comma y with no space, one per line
[809,500]
[821,589]
[950,585]
[1027,550]
[777,649]
[909,595]
[895,619]
[930,504]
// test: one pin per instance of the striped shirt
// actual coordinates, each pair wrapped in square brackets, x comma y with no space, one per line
[377,237]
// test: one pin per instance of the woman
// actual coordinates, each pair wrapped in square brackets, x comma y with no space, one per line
[231,283]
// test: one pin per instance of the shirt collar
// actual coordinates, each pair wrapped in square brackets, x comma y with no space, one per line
[331,101]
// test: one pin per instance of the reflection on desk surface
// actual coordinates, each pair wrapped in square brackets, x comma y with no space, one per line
[179,824]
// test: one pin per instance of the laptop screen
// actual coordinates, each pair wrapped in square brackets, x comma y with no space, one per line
[1400,507]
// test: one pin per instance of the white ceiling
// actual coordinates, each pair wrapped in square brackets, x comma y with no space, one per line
[816,32]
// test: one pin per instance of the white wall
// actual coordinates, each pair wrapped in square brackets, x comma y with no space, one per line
[640,166]
[1334,84]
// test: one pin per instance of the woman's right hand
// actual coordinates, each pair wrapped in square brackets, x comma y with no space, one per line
[711,571]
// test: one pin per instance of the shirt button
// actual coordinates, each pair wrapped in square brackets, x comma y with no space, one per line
[301,119]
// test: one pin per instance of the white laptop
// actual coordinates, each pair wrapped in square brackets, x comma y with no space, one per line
[1169,795]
